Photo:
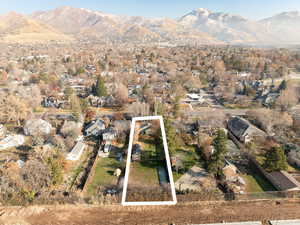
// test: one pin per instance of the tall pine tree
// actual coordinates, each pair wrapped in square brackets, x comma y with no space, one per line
[217,160]
[100,89]
[275,159]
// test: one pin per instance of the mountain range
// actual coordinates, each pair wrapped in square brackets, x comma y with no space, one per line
[200,26]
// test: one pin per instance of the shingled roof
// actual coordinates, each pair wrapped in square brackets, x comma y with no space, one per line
[238,126]
[284,181]
[241,127]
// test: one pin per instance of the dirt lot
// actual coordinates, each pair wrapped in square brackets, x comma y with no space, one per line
[183,213]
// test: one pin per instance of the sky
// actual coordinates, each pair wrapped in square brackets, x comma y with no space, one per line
[251,9]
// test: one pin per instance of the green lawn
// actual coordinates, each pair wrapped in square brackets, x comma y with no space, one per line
[104,171]
[144,173]
[188,156]
[256,183]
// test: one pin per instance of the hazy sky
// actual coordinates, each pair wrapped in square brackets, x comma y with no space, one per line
[252,9]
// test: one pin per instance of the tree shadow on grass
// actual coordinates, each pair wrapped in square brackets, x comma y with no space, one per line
[25,148]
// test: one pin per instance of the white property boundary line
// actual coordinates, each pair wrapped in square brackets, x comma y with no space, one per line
[163,132]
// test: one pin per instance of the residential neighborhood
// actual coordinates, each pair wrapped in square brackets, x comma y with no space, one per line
[221,144]
[76,84]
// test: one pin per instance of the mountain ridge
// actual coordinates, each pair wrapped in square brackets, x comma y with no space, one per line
[200,26]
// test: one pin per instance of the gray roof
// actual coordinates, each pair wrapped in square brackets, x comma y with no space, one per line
[76,151]
[284,181]
[238,126]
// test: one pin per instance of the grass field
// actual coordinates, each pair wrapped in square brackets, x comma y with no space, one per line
[144,174]
[188,157]
[256,183]
[104,171]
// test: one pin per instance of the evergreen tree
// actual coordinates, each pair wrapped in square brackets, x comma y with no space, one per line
[100,89]
[217,160]
[172,139]
[68,92]
[275,159]
[282,85]
[76,107]
[176,106]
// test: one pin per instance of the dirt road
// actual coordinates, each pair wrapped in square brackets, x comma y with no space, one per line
[184,213]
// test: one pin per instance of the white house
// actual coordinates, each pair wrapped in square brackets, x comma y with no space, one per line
[76,152]
[194,98]
[11,141]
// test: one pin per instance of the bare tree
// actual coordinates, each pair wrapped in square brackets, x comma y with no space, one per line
[139,109]
[287,99]
[14,109]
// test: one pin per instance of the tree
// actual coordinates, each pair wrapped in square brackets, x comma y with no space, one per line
[216,163]
[100,89]
[56,169]
[172,137]
[287,99]
[139,109]
[76,107]
[13,109]
[275,159]
[68,92]
[121,94]
[282,86]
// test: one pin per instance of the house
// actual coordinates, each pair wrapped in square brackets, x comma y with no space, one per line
[109,134]
[283,181]
[136,153]
[194,98]
[36,127]
[110,101]
[11,141]
[230,172]
[95,128]
[243,74]
[235,182]
[52,102]
[76,152]
[243,129]
[196,179]
[270,99]
[2,131]
[96,101]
